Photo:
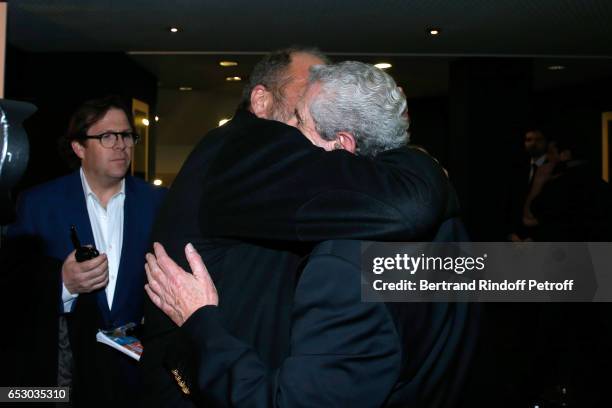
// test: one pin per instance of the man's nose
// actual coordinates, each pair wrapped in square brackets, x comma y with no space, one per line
[120,144]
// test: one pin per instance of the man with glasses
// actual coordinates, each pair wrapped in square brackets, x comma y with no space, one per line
[113,212]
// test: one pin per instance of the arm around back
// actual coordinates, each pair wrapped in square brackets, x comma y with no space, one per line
[344,352]
[278,186]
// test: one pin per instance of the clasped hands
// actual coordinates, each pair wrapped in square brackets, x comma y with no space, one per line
[176,292]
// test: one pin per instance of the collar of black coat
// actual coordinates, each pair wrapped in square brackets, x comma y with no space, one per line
[247,119]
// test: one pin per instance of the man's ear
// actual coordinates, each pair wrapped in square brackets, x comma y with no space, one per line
[261,101]
[78,148]
[346,141]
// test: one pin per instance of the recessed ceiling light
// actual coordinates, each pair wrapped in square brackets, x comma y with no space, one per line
[185,88]
[383,65]
[174,29]
[156,118]
[556,67]
[158,182]
[145,121]
[223,121]
[233,79]
[228,63]
[433,31]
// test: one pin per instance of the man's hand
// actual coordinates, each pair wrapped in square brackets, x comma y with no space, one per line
[514,237]
[178,293]
[85,277]
[543,174]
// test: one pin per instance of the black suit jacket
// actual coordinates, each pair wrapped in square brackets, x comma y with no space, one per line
[344,352]
[574,205]
[28,350]
[101,375]
[264,183]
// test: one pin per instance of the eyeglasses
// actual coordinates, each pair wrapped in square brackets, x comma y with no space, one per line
[109,139]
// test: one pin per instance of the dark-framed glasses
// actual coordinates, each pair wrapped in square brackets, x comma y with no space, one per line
[109,139]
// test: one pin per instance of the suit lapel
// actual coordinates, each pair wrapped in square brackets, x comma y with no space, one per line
[79,216]
[77,210]
[122,287]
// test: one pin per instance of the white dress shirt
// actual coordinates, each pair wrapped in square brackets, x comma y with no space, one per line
[537,162]
[107,228]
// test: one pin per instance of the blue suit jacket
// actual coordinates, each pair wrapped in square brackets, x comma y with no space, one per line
[46,212]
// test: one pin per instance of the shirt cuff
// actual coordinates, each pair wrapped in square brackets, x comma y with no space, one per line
[67,298]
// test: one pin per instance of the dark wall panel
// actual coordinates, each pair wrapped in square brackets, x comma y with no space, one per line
[57,83]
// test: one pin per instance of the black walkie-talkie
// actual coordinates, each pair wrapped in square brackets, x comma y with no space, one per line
[82,253]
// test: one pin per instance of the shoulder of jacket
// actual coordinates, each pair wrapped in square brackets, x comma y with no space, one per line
[50,187]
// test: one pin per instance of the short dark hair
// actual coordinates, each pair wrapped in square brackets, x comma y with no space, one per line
[86,115]
[270,72]
[537,129]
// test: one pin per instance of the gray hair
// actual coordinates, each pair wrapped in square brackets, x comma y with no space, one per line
[360,99]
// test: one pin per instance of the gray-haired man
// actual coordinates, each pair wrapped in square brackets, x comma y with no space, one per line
[353,106]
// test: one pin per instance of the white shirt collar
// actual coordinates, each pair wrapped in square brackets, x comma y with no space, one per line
[89,192]
[539,161]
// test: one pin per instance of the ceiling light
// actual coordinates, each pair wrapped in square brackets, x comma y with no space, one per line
[556,67]
[383,65]
[228,63]
[145,121]
[156,118]
[433,31]
[158,182]
[223,121]
[174,29]
[185,88]
[233,79]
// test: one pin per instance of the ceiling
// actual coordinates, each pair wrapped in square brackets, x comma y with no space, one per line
[531,27]
[576,34]
[422,76]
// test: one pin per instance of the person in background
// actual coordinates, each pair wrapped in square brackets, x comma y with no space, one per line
[112,211]
[568,201]
[536,147]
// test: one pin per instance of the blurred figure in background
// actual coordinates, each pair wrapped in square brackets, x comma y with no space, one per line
[568,200]
[536,147]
